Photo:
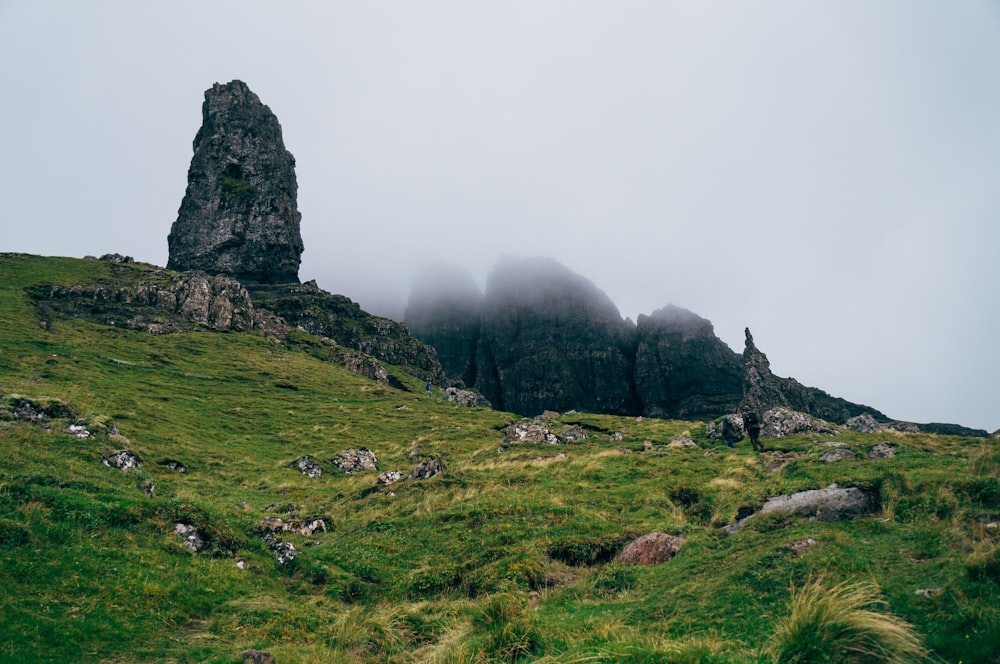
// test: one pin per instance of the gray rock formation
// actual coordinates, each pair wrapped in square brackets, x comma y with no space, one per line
[239,215]
[682,370]
[762,391]
[830,504]
[551,340]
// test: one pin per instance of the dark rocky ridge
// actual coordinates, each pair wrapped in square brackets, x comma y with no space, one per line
[682,370]
[239,215]
[543,338]
[549,339]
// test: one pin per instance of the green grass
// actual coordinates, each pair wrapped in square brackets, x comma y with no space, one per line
[505,557]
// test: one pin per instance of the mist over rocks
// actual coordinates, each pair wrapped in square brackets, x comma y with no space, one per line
[239,215]
[444,310]
[545,338]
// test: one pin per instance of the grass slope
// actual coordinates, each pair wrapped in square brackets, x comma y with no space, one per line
[504,557]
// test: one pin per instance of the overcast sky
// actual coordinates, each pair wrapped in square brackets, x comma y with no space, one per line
[827,174]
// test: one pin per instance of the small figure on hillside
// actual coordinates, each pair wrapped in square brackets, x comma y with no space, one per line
[428,388]
[751,422]
[729,431]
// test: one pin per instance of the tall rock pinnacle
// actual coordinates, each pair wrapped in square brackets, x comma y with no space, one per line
[239,215]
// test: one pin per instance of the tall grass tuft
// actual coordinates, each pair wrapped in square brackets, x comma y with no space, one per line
[839,624]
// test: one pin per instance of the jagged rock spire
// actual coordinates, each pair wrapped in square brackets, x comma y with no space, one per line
[239,215]
[761,389]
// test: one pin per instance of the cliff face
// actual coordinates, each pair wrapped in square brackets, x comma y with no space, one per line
[239,215]
[544,338]
[682,370]
[549,339]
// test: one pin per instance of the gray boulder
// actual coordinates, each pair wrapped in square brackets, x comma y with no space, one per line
[355,460]
[830,504]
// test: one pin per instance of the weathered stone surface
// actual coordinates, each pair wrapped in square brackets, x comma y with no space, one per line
[651,549]
[830,504]
[355,460]
[763,391]
[388,477]
[284,552]
[802,547]
[254,656]
[530,431]
[682,370]
[239,215]
[683,442]
[172,464]
[163,304]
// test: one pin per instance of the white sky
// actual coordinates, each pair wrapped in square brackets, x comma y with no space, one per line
[827,174]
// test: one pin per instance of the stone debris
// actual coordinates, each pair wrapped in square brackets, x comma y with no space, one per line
[124,460]
[307,465]
[190,536]
[355,460]
[882,451]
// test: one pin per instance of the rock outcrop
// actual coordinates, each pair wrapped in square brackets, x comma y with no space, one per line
[336,317]
[239,215]
[763,391]
[550,339]
[682,370]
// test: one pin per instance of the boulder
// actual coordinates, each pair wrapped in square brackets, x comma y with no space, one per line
[427,469]
[651,549]
[190,536]
[839,454]
[864,423]
[470,398]
[123,460]
[355,460]
[239,215]
[779,422]
[530,431]
[307,465]
[882,451]
[830,504]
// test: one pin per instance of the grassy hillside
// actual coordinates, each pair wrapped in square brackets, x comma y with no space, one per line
[506,556]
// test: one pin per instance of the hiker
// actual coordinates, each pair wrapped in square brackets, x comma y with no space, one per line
[729,431]
[428,388]
[751,422]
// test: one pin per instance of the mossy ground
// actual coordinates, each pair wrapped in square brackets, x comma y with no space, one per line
[505,556]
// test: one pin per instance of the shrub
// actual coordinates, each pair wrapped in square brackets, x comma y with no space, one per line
[614,579]
[827,624]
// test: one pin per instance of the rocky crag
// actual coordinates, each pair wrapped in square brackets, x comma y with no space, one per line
[240,218]
[548,339]
[239,215]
